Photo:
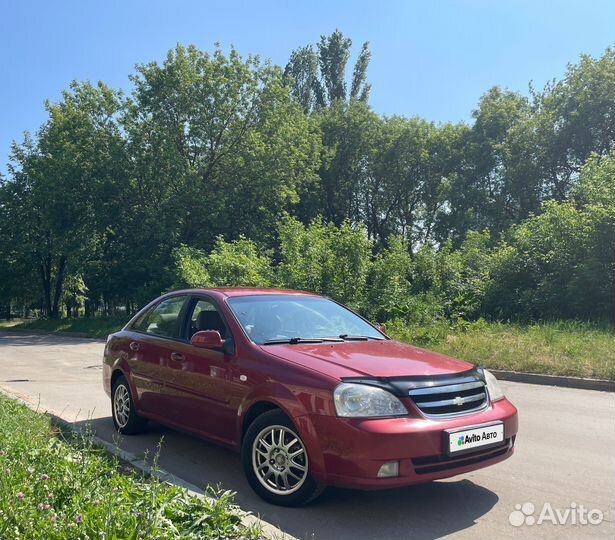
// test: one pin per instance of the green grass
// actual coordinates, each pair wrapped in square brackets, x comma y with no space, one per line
[56,485]
[99,327]
[557,348]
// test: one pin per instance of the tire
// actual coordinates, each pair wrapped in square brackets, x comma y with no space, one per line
[125,417]
[276,463]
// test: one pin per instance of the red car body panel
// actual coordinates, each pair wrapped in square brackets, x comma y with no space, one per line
[369,359]
[211,394]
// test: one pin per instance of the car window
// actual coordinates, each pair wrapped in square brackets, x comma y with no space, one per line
[205,316]
[275,317]
[164,319]
[140,325]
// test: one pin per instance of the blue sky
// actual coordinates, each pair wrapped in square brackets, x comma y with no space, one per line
[432,58]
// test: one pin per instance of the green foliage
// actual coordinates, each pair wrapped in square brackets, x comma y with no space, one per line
[59,486]
[330,260]
[190,268]
[223,170]
[318,78]
[388,290]
[238,263]
[230,264]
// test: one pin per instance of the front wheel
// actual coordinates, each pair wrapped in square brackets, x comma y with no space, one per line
[125,417]
[276,462]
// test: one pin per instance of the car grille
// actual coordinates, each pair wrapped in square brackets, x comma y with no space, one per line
[464,396]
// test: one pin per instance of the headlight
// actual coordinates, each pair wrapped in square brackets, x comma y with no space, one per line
[363,401]
[493,386]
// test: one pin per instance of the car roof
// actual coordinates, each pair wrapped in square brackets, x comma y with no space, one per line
[245,291]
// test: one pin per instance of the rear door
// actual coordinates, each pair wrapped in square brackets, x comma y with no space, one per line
[152,342]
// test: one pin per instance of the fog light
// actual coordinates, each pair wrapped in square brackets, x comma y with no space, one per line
[389,469]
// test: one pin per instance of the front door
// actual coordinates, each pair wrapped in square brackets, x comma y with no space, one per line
[203,384]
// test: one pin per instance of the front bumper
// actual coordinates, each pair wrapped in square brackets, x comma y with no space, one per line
[353,450]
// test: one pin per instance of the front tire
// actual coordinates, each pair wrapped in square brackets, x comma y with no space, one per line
[276,462]
[125,417]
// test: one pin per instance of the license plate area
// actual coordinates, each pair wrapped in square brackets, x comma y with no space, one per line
[469,439]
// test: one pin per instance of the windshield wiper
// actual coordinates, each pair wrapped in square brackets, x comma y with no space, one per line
[295,340]
[350,337]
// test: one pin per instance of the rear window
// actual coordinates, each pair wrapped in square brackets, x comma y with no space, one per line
[163,319]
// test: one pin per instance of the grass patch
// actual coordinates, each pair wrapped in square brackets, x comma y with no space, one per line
[56,485]
[555,348]
[98,327]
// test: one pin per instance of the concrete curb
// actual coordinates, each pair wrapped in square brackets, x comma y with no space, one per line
[269,531]
[555,380]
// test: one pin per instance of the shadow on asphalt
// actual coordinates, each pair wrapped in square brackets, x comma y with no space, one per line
[426,511]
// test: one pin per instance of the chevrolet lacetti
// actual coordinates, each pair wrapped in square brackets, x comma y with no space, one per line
[309,392]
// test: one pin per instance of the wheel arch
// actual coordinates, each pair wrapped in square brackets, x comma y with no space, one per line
[295,412]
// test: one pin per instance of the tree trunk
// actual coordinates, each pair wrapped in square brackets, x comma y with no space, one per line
[45,269]
[55,308]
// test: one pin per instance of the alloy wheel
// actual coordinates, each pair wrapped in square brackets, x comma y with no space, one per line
[121,405]
[279,460]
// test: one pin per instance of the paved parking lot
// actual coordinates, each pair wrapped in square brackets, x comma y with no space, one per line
[565,456]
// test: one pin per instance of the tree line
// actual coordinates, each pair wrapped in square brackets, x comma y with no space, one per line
[219,169]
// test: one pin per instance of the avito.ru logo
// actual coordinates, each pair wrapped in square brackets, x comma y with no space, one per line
[465,439]
[576,514]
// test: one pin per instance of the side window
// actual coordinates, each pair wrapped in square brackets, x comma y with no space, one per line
[205,316]
[140,325]
[164,319]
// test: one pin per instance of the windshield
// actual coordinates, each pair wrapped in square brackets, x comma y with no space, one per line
[270,319]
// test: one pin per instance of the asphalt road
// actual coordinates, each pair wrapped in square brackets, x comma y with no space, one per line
[565,456]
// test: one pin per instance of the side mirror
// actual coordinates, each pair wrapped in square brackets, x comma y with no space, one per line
[382,328]
[207,339]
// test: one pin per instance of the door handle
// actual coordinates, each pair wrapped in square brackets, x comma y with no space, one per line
[134,346]
[178,357]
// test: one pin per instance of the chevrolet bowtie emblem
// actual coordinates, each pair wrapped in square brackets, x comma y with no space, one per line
[459,401]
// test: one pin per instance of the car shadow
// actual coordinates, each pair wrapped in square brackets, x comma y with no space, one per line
[420,512]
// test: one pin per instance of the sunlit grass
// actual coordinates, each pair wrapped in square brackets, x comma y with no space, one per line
[56,485]
[99,327]
[557,348]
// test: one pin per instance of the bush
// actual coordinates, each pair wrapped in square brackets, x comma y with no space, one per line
[388,289]
[230,264]
[326,259]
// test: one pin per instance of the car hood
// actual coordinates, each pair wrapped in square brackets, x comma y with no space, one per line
[384,359]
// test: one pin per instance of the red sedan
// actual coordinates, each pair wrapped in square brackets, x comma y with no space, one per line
[310,393]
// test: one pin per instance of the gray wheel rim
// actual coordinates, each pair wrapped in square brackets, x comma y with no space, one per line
[279,460]
[121,405]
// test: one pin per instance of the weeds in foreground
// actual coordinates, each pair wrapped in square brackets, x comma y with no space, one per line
[57,485]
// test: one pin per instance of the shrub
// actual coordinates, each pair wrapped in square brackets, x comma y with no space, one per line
[230,264]
[326,259]
[238,263]
[388,288]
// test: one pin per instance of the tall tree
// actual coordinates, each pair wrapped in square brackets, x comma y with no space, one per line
[218,147]
[62,182]
[318,78]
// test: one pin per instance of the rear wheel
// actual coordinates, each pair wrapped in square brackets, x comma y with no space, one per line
[276,462]
[125,417]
